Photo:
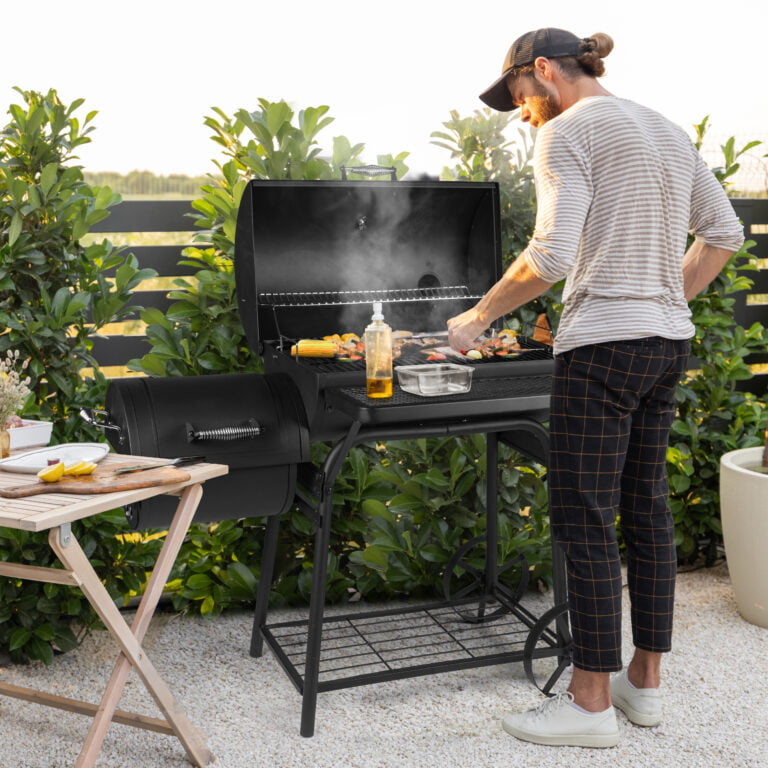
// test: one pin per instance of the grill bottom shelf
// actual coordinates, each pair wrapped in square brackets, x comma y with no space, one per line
[377,646]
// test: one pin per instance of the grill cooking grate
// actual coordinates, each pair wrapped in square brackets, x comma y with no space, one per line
[413,355]
[370,647]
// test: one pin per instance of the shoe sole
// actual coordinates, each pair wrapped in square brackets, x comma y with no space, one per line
[634,715]
[598,741]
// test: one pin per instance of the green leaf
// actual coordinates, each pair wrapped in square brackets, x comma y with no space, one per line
[376,508]
[375,557]
[277,116]
[45,632]
[434,554]
[39,649]
[244,577]
[15,229]
[48,177]
[18,638]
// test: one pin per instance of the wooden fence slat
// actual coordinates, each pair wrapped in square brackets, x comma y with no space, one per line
[148,216]
[118,350]
[162,258]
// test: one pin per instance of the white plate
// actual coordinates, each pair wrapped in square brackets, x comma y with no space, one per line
[32,462]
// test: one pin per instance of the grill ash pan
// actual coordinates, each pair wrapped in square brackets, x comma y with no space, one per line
[254,423]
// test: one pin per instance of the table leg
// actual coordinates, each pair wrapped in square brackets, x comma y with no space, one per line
[129,639]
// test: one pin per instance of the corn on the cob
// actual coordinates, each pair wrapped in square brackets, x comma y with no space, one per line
[314,348]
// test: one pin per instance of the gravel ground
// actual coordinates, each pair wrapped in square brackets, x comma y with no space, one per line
[716,703]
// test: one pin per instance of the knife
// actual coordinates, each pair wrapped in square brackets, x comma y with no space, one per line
[171,463]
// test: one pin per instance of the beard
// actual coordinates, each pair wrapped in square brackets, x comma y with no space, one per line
[543,105]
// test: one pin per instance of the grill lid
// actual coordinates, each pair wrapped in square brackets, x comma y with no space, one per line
[311,256]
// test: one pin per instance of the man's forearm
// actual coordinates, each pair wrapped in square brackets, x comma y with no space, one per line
[518,286]
[701,265]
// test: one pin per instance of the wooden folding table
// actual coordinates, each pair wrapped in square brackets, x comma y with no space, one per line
[55,513]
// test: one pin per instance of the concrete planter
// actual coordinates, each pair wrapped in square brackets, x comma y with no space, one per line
[744,514]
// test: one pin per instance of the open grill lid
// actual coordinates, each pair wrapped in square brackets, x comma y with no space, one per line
[311,256]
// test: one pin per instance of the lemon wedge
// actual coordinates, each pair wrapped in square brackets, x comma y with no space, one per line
[74,469]
[53,473]
[86,469]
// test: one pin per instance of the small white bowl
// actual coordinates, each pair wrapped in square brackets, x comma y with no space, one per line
[30,434]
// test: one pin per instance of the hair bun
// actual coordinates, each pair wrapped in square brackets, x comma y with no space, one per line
[603,44]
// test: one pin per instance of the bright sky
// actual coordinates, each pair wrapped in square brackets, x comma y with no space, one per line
[390,71]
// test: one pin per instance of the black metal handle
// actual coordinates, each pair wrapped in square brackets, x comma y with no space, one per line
[235,432]
[89,416]
[369,170]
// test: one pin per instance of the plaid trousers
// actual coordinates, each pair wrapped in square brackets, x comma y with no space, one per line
[612,408]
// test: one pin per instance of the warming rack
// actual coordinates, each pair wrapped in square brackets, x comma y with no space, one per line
[385,295]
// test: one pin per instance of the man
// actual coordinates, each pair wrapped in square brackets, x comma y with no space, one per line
[619,189]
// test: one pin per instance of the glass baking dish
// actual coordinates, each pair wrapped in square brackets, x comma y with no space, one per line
[430,380]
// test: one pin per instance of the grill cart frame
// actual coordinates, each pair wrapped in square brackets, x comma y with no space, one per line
[494,615]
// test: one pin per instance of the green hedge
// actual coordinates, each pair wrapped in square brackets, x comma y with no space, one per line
[400,510]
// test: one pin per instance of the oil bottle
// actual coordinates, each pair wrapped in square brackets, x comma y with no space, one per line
[378,355]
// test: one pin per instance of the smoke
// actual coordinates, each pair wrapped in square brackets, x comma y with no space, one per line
[359,238]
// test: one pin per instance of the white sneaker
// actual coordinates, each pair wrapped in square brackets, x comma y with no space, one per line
[641,705]
[557,723]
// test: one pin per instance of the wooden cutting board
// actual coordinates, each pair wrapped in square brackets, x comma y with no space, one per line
[104,482]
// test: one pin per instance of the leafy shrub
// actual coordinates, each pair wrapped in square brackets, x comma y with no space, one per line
[713,417]
[401,510]
[201,333]
[377,551]
[55,295]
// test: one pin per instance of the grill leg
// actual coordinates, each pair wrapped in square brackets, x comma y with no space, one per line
[491,511]
[332,465]
[316,610]
[268,555]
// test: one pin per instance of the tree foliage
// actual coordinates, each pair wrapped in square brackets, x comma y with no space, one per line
[55,295]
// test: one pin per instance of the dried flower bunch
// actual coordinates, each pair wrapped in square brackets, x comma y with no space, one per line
[13,389]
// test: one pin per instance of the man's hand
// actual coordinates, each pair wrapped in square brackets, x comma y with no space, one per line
[464,329]
[518,285]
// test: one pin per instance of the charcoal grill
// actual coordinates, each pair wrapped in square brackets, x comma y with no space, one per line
[310,258]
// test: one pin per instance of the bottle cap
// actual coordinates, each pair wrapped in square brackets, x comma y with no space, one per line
[377,313]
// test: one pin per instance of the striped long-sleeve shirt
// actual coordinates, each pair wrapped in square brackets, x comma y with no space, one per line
[619,188]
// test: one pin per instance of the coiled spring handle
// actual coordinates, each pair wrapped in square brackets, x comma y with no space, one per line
[250,429]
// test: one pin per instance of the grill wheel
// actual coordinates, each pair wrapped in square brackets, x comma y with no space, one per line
[463,578]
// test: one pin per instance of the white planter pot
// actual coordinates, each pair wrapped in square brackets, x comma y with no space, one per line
[744,514]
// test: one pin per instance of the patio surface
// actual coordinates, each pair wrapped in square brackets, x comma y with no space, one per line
[716,703]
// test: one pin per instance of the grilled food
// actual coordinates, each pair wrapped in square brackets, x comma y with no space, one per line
[314,348]
[349,346]
[543,330]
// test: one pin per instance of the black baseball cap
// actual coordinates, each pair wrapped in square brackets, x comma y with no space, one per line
[548,42]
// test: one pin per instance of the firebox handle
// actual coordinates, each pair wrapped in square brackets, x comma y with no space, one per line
[369,170]
[250,429]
